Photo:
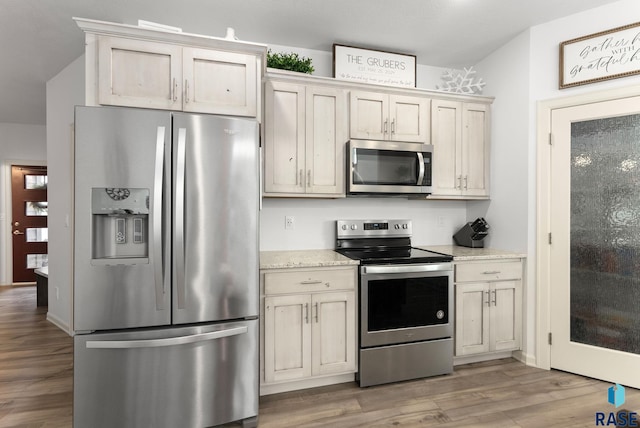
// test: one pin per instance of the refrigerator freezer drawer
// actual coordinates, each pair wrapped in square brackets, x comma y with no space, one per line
[176,377]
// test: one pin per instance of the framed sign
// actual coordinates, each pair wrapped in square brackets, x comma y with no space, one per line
[373,66]
[601,56]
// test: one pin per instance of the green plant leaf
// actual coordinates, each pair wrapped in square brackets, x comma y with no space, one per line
[289,61]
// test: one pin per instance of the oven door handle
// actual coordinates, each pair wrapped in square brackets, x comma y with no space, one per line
[435,267]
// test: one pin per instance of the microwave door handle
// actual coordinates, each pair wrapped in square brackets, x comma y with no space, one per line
[421,170]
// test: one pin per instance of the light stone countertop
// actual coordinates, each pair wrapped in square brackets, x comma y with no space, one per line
[303,258]
[465,253]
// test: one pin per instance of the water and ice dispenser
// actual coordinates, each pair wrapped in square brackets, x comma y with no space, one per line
[120,223]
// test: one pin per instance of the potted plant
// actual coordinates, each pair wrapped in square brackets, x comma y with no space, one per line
[289,61]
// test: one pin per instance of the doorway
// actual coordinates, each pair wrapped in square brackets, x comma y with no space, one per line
[589,265]
[29,230]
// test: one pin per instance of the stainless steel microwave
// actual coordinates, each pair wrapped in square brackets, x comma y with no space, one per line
[388,167]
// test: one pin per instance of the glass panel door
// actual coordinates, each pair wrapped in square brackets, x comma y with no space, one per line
[594,253]
[605,233]
[29,221]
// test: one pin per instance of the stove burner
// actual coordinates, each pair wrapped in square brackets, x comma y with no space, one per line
[404,255]
[382,242]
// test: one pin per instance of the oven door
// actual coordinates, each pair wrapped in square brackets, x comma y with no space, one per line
[389,167]
[405,303]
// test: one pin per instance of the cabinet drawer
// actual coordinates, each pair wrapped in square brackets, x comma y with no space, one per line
[488,271]
[304,281]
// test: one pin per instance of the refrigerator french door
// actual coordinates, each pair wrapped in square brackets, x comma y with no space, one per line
[165,268]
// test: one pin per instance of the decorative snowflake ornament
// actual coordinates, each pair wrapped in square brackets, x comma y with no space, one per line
[461,83]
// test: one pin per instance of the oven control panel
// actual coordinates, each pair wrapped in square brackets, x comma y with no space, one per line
[373,228]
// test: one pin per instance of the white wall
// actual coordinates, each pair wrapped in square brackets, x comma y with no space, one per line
[520,74]
[64,91]
[21,144]
[507,73]
[314,220]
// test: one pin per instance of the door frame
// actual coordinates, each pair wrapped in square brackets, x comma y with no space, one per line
[543,206]
[6,243]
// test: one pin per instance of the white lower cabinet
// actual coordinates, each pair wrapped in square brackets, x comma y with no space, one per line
[488,306]
[309,326]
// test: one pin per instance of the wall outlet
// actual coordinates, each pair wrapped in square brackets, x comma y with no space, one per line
[440,221]
[57,293]
[289,222]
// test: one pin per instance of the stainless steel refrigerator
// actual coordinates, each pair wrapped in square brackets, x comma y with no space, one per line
[165,302]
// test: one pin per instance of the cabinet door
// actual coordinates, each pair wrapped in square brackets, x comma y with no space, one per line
[472,318]
[333,333]
[475,152]
[409,118]
[369,115]
[505,316]
[326,134]
[287,337]
[138,73]
[284,134]
[446,137]
[219,82]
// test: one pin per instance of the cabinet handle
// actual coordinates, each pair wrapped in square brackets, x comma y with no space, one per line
[316,306]
[309,178]
[301,179]
[306,310]
[384,130]
[495,298]
[491,272]
[459,182]
[186,91]
[393,126]
[487,301]
[465,182]
[174,94]
[311,281]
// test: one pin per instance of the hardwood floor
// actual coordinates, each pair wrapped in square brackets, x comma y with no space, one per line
[36,364]
[36,370]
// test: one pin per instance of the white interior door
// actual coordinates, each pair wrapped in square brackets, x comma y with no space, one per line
[595,250]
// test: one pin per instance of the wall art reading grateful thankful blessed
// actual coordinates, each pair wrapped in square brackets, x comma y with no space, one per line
[601,56]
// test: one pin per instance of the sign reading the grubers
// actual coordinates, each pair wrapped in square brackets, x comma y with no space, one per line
[374,67]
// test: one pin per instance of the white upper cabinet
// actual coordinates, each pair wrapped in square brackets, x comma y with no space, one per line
[219,82]
[136,67]
[460,138]
[381,116]
[139,73]
[304,136]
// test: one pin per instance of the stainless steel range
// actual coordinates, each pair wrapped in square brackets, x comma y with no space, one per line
[406,302]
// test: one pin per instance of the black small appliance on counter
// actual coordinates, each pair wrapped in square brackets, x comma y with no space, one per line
[472,234]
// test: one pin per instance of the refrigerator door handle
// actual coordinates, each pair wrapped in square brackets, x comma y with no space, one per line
[171,341]
[179,218]
[157,219]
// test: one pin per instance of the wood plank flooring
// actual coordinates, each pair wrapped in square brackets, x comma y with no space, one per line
[36,370]
[36,364]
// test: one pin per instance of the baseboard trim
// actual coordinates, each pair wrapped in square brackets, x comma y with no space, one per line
[528,359]
[305,383]
[59,323]
[468,359]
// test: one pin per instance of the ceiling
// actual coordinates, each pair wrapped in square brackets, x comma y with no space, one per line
[38,38]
